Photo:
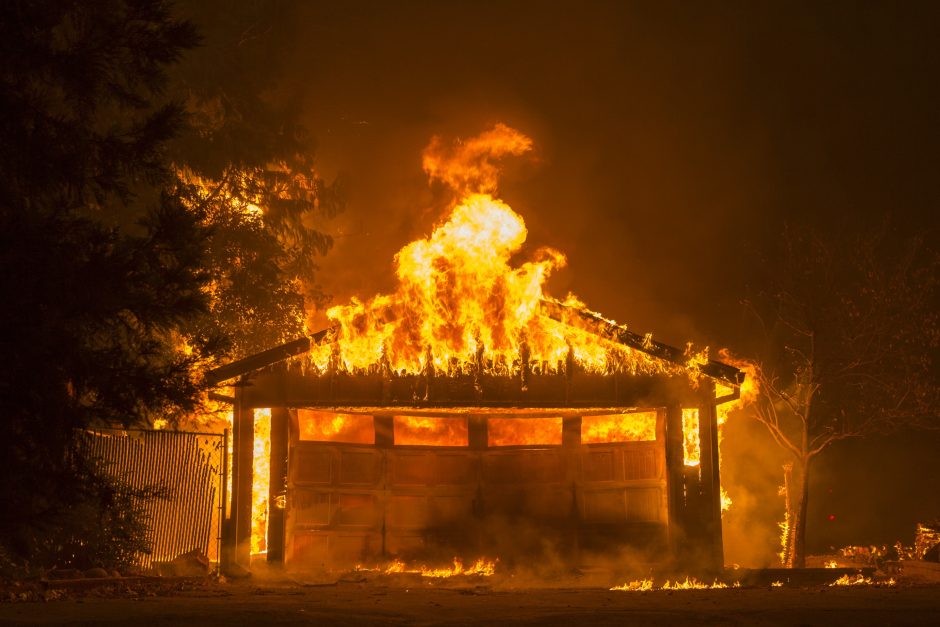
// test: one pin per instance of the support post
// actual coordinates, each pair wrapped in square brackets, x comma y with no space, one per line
[477,433]
[243,443]
[384,431]
[711,480]
[675,479]
[277,486]
[571,444]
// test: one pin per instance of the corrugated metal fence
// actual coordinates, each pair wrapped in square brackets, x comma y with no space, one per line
[191,466]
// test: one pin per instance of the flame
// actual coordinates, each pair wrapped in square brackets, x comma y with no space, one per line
[747,393]
[482,567]
[690,583]
[860,580]
[784,526]
[640,585]
[460,305]
[692,451]
[261,479]
[635,427]
[420,431]
[467,166]
[522,431]
[330,427]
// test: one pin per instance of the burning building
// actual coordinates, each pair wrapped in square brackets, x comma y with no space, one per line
[469,414]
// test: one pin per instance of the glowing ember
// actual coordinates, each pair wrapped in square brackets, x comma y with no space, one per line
[832,564]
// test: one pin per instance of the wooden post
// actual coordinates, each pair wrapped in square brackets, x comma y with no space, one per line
[711,481]
[277,487]
[384,431]
[477,433]
[243,444]
[571,432]
[571,443]
[675,479]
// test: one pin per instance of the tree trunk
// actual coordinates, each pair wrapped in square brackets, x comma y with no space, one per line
[798,517]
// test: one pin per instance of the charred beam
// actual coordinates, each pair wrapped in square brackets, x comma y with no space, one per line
[620,334]
[265,358]
[221,398]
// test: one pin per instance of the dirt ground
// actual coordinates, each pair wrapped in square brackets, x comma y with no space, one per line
[371,603]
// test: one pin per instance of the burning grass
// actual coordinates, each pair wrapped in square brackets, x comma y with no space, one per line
[690,583]
[482,567]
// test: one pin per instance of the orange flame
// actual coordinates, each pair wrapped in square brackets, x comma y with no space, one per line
[636,427]
[467,166]
[329,427]
[691,449]
[460,305]
[261,480]
[482,568]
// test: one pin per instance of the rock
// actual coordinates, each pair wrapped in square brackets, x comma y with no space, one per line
[96,573]
[65,573]
[191,564]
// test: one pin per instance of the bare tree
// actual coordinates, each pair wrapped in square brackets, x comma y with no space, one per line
[851,323]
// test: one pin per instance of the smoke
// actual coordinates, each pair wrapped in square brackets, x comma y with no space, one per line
[751,473]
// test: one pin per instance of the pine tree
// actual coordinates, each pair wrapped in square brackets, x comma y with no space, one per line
[102,261]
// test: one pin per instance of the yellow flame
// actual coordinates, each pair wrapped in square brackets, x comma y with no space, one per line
[690,583]
[482,567]
[261,479]
[640,585]
[848,580]
[460,303]
[635,427]
[692,450]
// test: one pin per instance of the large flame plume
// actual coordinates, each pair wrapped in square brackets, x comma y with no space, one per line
[461,300]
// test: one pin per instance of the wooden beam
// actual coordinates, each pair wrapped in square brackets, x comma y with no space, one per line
[619,334]
[265,358]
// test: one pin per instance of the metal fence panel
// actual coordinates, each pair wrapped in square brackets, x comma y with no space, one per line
[191,466]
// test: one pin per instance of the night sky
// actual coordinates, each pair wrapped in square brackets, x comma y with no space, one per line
[673,142]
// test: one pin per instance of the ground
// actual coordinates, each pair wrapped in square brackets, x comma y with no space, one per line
[369,603]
